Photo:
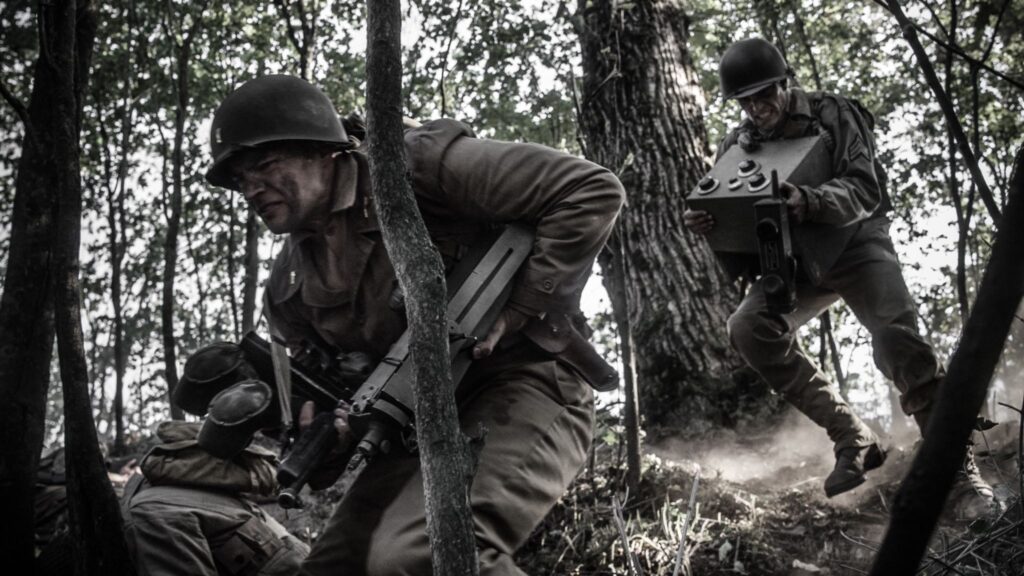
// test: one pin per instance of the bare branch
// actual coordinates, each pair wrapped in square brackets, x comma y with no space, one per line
[909,32]
[1019,84]
[22,112]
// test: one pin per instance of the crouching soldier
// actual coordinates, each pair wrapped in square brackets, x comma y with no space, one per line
[192,513]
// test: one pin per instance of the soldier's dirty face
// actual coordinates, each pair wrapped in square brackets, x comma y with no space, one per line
[289,188]
[765,108]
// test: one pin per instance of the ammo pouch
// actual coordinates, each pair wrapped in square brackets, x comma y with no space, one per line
[559,337]
[208,371]
[248,549]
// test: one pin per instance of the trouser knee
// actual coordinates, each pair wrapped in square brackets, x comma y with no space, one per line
[759,338]
[910,362]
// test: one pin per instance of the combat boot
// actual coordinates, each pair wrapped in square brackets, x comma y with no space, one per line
[851,465]
[970,497]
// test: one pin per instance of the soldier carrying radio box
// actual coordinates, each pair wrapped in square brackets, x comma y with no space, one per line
[834,191]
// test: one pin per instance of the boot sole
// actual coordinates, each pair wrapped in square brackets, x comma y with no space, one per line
[844,487]
[873,458]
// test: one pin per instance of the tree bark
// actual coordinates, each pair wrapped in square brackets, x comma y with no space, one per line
[97,532]
[444,451]
[26,308]
[252,270]
[611,261]
[640,115]
[919,501]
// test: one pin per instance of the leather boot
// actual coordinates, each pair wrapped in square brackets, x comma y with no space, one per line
[851,464]
[970,497]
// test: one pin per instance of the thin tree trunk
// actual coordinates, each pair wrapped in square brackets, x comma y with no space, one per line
[801,32]
[612,262]
[640,115]
[93,510]
[252,269]
[919,501]
[183,62]
[303,39]
[444,451]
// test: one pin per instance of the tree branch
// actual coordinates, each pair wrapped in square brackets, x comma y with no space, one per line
[1019,84]
[909,32]
[21,111]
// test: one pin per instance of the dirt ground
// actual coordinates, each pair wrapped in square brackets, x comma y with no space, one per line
[759,510]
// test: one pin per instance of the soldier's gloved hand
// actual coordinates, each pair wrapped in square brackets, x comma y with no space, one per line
[308,412]
[795,201]
[698,221]
[509,321]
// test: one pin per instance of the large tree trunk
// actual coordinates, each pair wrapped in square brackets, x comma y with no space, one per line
[641,117]
[444,451]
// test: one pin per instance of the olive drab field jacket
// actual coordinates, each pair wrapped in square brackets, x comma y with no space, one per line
[341,285]
[853,202]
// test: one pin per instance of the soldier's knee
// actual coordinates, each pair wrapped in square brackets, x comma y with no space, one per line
[397,557]
[903,356]
[752,333]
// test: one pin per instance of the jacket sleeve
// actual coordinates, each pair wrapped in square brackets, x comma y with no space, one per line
[854,193]
[570,201]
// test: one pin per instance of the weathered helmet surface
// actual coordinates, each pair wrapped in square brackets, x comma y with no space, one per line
[270,109]
[236,413]
[207,371]
[748,66]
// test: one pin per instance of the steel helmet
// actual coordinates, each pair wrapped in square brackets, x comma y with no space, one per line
[750,65]
[269,109]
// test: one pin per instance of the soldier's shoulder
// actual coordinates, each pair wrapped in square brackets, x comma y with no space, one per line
[437,133]
[829,106]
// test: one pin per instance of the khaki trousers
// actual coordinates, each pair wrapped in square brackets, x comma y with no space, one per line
[868,278]
[539,419]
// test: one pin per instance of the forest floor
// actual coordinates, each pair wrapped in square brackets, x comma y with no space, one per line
[759,509]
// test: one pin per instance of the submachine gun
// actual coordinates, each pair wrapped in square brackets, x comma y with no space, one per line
[382,405]
[741,192]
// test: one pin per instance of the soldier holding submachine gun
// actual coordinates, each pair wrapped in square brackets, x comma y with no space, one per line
[277,141]
[832,190]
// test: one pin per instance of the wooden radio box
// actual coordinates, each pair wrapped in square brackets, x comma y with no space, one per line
[741,177]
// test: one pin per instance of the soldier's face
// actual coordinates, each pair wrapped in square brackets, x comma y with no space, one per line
[289,189]
[766,108]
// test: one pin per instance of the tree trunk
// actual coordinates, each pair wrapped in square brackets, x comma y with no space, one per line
[97,531]
[252,270]
[611,261]
[919,502]
[444,452]
[26,308]
[641,117]
[182,60]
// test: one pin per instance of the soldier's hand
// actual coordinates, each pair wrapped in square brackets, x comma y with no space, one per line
[698,221]
[308,412]
[509,321]
[795,201]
